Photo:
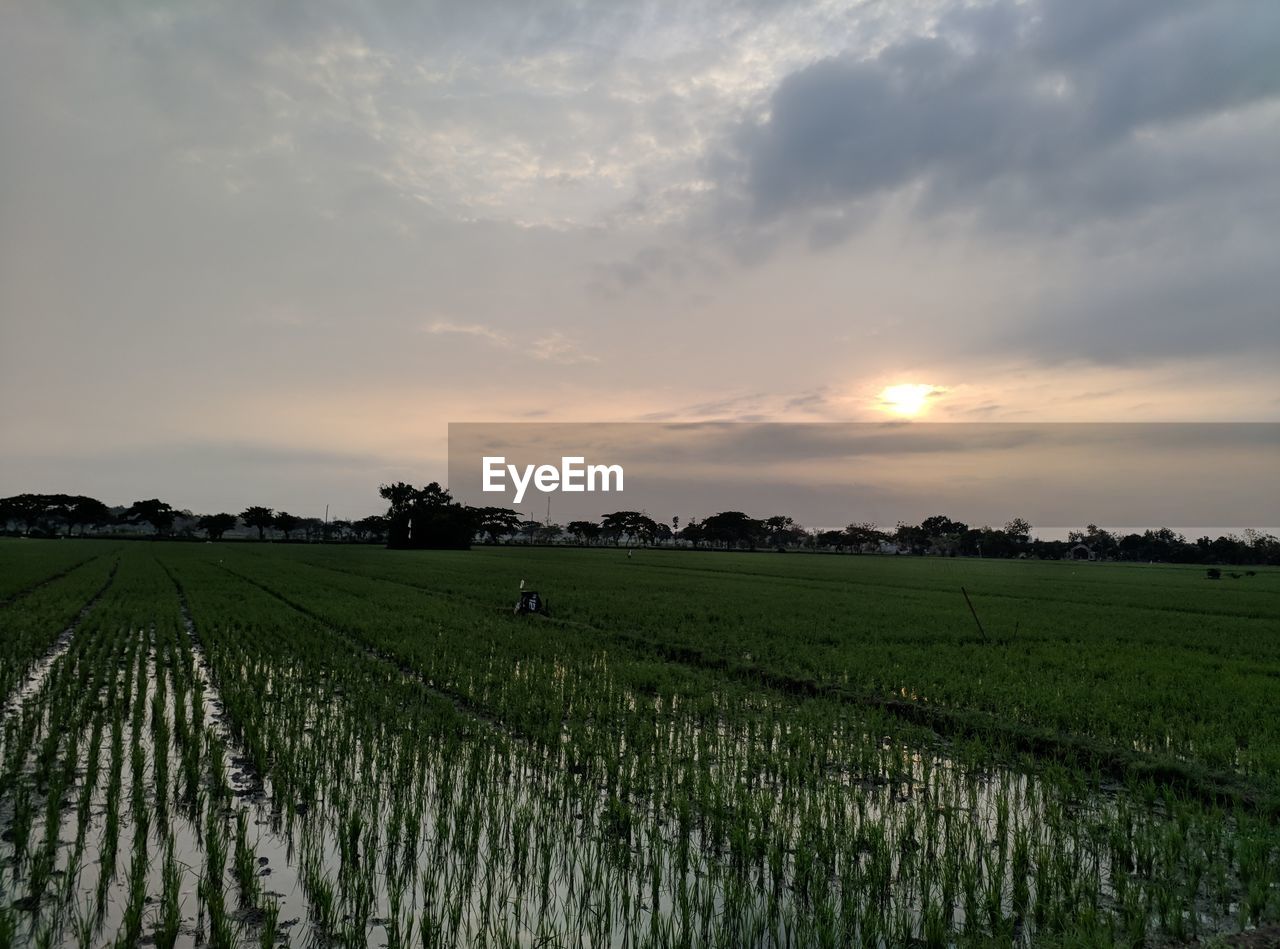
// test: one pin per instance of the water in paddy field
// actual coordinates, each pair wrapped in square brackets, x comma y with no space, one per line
[36,675]
[299,811]
[99,853]
[512,840]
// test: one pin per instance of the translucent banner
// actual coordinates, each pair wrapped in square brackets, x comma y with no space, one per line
[829,474]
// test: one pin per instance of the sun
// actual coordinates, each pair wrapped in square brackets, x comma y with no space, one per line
[907,399]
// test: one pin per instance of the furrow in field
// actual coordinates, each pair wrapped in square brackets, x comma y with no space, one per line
[252,790]
[1204,784]
[1209,786]
[33,587]
[459,702]
[666,835]
[432,811]
[878,586]
[1205,649]
[688,658]
[39,672]
[711,791]
[245,780]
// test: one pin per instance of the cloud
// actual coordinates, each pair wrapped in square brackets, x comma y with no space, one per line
[1129,144]
[551,347]
[1041,113]
[558,348]
[439,327]
[735,209]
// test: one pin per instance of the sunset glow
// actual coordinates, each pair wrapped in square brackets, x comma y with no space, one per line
[907,399]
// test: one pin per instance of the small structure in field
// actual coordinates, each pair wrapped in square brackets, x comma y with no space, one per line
[531,602]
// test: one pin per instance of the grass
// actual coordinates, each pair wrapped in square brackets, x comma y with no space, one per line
[700,749]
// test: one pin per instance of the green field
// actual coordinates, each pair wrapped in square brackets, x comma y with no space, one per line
[250,744]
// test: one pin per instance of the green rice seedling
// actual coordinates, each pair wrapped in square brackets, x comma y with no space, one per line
[131,926]
[244,862]
[269,930]
[224,932]
[323,904]
[85,928]
[21,821]
[738,752]
[168,921]
[46,936]
[39,872]
[70,878]
[8,928]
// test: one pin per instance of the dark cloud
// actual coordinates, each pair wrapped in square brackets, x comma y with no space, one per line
[1009,104]
[1132,142]
[220,220]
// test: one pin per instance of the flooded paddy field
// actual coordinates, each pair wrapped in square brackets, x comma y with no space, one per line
[256,745]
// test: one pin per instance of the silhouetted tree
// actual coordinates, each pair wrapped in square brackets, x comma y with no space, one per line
[584,531]
[215,525]
[259,517]
[646,529]
[428,517]
[943,534]
[864,533]
[837,539]
[911,536]
[155,512]
[1101,542]
[86,512]
[782,531]
[633,524]
[614,525]
[399,495]
[286,523]
[733,529]
[495,522]
[989,542]
[1019,530]
[692,532]
[46,513]
[372,528]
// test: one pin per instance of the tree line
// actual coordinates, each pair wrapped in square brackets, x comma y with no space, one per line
[430,517]
[937,535]
[70,515]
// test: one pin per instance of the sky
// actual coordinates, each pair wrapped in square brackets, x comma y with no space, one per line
[264,253]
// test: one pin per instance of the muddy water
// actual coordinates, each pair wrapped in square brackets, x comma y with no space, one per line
[88,892]
[37,675]
[513,841]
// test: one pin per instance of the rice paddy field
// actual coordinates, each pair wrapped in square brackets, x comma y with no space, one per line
[249,744]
